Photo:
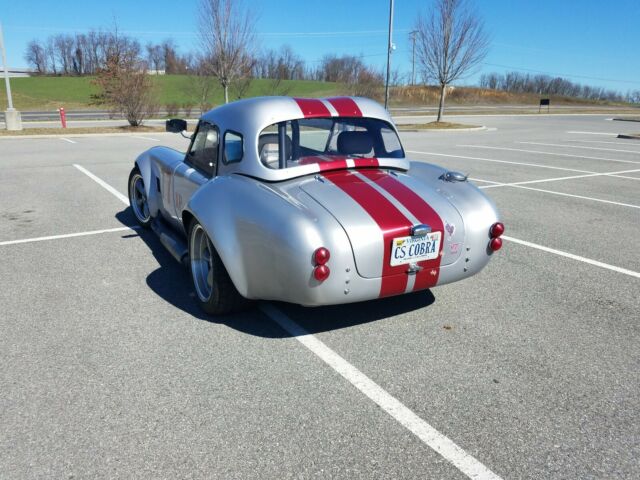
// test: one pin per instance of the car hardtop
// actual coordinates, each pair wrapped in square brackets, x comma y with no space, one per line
[248,118]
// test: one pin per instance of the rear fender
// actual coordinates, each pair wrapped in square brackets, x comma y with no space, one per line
[266,238]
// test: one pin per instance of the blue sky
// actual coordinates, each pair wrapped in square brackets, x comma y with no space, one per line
[588,41]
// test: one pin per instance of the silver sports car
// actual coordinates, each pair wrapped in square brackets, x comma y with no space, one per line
[309,201]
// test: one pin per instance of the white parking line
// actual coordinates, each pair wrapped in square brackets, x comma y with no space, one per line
[550,153]
[435,440]
[593,133]
[554,192]
[501,161]
[595,263]
[619,142]
[67,140]
[68,235]
[145,138]
[581,147]
[556,179]
[103,184]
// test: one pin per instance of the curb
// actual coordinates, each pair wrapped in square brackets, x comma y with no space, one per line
[75,135]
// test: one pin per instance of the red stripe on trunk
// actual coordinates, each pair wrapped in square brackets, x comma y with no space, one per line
[390,220]
[345,106]
[337,162]
[419,208]
[366,162]
[335,165]
[312,107]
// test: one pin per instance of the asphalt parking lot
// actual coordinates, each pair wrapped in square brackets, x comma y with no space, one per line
[528,370]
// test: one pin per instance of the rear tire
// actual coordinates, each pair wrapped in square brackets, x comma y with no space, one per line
[138,198]
[215,291]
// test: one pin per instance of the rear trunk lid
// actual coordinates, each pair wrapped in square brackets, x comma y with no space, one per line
[379,208]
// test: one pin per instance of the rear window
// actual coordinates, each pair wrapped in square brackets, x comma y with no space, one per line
[315,140]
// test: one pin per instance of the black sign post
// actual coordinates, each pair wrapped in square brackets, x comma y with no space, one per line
[544,102]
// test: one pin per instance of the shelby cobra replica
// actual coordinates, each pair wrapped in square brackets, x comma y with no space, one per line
[309,201]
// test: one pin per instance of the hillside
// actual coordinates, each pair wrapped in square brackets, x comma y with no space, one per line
[74,93]
[49,93]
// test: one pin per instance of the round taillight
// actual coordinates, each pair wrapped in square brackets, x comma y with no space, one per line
[321,273]
[495,244]
[321,256]
[497,229]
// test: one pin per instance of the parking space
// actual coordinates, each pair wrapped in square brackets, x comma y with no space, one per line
[527,370]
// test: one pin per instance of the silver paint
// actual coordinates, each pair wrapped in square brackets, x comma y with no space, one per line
[265,224]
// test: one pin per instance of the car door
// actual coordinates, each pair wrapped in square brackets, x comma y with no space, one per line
[199,166]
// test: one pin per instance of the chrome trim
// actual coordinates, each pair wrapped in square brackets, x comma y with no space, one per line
[420,230]
[413,269]
[454,177]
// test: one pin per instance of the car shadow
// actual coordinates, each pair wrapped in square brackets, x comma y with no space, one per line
[171,281]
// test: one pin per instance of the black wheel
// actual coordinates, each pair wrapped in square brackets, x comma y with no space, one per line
[215,291]
[138,198]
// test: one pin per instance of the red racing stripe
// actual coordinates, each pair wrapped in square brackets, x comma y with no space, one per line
[334,165]
[337,162]
[345,106]
[366,162]
[390,220]
[419,208]
[312,107]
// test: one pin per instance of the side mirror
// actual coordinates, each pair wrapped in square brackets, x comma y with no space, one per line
[176,125]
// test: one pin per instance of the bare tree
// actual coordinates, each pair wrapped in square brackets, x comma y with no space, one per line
[203,84]
[36,57]
[227,34]
[124,84]
[450,43]
[155,57]
[64,50]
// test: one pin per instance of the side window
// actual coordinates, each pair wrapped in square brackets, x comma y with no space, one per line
[203,154]
[233,147]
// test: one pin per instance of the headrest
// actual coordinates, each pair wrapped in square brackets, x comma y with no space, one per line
[354,143]
[268,147]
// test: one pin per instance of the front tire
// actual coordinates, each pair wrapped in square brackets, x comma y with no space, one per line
[138,198]
[215,291]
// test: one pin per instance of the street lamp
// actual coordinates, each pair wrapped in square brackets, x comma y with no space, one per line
[390,47]
[11,116]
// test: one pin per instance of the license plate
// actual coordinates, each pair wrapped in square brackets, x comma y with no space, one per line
[415,249]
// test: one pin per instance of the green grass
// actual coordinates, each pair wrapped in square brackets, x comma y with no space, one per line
[49,93]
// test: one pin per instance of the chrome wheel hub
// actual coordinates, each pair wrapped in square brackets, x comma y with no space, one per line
[138,197]
[201,263]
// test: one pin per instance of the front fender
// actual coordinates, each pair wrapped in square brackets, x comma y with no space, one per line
[144,164]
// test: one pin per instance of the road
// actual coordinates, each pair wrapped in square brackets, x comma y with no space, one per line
[46,118]
[108,369]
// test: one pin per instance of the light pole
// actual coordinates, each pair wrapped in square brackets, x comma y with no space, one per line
[389,48]
[11,116]
[413,56]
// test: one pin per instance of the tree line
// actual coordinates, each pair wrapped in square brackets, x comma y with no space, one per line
[88,53]
[518,82]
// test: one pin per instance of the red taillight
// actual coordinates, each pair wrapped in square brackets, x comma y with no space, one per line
[496,230]
[495,244]
[321,256]
[321,273]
